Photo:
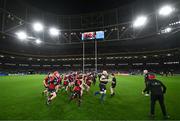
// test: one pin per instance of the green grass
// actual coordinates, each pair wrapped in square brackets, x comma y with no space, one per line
[20,98]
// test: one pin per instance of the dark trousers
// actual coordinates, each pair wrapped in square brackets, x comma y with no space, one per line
[146,84]
[159,98]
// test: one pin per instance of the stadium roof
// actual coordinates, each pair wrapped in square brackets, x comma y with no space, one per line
[75,6]
[20,16]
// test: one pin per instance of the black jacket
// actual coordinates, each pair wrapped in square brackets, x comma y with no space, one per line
[156,87]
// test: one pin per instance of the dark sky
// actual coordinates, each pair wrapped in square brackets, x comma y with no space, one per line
[75,6]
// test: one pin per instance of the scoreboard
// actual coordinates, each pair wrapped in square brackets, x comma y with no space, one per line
[88,36]
[99,35]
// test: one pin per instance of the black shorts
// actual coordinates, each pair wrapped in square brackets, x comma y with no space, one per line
[51,90]
[113,85]
[77,94]
[102,87]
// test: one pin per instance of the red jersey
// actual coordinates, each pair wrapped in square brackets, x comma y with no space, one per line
[59,80]
[52,83]
[70,77]
[77,87]
[65,81]
[88,81]
[78,82]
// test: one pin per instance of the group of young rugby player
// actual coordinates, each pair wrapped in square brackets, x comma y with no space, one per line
[76,83]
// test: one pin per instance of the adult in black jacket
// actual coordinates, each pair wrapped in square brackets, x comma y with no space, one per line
[157,90]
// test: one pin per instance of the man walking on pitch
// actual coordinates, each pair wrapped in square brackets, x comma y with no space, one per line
[157,90]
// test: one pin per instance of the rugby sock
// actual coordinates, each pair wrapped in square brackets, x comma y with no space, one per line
[79,102]
[96,93]
[102,97]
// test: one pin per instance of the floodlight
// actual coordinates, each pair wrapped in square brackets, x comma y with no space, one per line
[54,31]
[2,56]
[21,35]
[168,54]
[38,41]
[38,27]
[168,29]
[140,21]
[166,10]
